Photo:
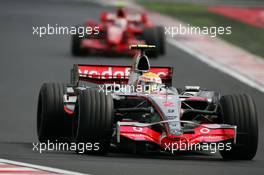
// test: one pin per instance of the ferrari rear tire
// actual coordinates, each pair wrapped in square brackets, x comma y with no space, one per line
[76,46]
[52,123]
[151,38]
[161,39]
[240,110]
[94,122]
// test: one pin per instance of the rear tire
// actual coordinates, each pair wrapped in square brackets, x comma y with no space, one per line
[240,110]
[161,39]
[52,123]
[150,37]
[94,121]
[76,45]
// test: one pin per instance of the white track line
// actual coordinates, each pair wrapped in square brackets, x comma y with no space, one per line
[218,66]
[43,168]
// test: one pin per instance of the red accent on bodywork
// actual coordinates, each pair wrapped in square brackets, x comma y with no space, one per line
[213,136]
[69,112]
[147,134]
[168,104]
[140,133]
[102,74]
[103,16]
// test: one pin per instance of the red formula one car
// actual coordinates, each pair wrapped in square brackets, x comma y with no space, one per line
[154,116]
[116,32]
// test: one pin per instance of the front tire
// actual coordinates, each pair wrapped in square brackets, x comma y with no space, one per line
[94,121]
[240,110]
[52,123]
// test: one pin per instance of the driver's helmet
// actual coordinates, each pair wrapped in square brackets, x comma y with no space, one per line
[149,82]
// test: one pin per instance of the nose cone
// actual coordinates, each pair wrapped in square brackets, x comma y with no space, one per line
[115,35]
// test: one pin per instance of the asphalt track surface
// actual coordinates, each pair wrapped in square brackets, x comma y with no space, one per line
[26,61]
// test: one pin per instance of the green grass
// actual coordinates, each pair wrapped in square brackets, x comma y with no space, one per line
[245,36]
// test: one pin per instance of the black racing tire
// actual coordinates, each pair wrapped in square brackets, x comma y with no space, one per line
[52,122]
[240,110]
[76,47]
[161,40]
[150,37]
[94,121]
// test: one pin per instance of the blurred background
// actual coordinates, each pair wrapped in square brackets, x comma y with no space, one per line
[246,17]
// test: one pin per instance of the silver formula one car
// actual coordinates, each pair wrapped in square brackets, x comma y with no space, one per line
[135,107]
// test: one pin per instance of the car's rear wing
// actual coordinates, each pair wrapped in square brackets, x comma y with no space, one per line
[108,74]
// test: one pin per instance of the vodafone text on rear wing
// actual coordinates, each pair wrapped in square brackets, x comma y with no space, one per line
[107,74]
